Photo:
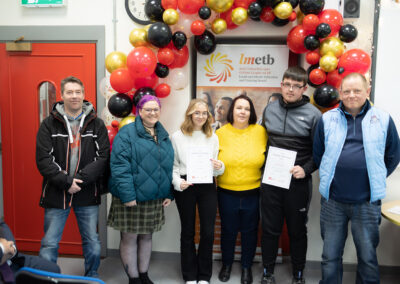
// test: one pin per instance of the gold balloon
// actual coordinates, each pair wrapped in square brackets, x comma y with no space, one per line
[138,37]
[126,120]
[328,62]
[170,16]
[218,26]
[283,10]
[239,16]
[331,44]
[220,6]
[115,60]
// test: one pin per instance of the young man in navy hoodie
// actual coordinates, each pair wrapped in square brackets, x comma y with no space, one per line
[356,147]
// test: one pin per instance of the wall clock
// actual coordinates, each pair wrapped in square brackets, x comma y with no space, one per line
[135,10]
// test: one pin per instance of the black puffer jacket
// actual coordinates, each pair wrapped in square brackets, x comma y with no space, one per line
[291,126]
[52,155]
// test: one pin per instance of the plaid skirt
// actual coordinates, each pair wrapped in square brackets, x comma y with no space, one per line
[144,218]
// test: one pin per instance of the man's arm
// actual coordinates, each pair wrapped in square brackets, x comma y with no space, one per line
[92,172]
[392,149]
[46,162]
[319,143]
[309,167]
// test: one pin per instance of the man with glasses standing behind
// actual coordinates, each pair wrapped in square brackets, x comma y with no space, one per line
[290,122]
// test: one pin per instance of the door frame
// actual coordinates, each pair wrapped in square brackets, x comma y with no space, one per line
[66,34]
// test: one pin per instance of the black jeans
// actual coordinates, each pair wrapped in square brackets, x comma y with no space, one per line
[276,205]
[196,267]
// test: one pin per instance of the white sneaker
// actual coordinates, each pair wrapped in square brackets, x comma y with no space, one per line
[191,282]
[203,282]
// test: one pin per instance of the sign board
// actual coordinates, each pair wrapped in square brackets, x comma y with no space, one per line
[43,3]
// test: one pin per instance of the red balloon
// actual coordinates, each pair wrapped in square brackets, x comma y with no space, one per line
[169,4]
[354,60]
[295,39]
[141,61]
[317,76]
[292,16]
[121,80]
[112,131]
[190,6]
[181,56]
[267,15]
[312,57]
[163,90]
[227,16]
[242,3]
[197,27]
[165,56]
[148,81]
[333,18]
[334,79]
[133,109]
[310,22]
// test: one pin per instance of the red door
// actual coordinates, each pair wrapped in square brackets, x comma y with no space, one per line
[21,74]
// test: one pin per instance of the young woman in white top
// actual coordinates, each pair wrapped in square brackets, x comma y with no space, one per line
[196,131]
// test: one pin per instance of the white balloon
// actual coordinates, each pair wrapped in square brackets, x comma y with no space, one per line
[107,117]
[184,23]
[178,79]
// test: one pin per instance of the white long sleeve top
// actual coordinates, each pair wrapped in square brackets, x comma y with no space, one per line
[181,142]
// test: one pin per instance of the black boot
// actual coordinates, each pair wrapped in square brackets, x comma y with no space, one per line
[145,278]
[247,276]
[135,280]
[225,273]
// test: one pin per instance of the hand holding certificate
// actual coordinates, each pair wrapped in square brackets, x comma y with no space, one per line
[277,167]
[198,165]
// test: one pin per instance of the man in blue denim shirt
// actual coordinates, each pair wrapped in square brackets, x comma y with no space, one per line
[356,146]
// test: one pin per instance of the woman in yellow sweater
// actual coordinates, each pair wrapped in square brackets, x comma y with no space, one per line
[242,145]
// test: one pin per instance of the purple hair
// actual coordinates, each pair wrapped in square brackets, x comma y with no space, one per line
[145,99]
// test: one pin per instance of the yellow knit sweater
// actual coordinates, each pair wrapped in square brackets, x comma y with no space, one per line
[242,151]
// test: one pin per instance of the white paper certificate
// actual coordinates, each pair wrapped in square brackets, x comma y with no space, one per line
[198,165]
[278,166]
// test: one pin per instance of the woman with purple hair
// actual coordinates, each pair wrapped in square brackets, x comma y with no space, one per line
[141,174]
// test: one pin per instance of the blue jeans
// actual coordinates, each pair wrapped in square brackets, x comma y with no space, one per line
[238,214]
[54,222]
[365,220]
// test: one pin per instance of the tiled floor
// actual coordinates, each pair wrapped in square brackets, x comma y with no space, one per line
[165,269]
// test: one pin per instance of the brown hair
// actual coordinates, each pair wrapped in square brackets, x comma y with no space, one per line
[296,73]
[253,115]
[187,126]
[71,79]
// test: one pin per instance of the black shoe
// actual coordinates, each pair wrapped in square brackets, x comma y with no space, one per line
[268,278]
[298,280]
[247,276]
[135,280]
[144,278]
[225,273]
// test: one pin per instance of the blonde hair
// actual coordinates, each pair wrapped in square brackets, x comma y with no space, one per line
[187,126]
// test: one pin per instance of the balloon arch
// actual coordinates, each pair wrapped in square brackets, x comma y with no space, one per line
[154,66]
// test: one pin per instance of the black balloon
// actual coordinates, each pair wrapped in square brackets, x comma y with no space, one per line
[322,30]
[309,69]
[294,3]
[265,3]
[348,33]
[326,96]
[255,19]
[311,42]
[162,70]
[205,43]
[254,10]
[280,22]
[159,34]
[142,92]
[312,6]
[120,105]
[179,39]
[204,12]
[340,70]
[154,10]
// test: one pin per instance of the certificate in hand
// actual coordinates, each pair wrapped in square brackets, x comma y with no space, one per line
[198,165]
[278,166]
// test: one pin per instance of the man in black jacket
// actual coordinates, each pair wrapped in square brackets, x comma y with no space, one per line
[72,154]
[290,121]
[11,260]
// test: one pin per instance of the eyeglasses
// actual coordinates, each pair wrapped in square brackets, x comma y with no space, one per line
[295,87]
[348,92]
[150,110]
[200,114]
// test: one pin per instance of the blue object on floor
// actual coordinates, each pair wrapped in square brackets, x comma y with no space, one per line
[34,276]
